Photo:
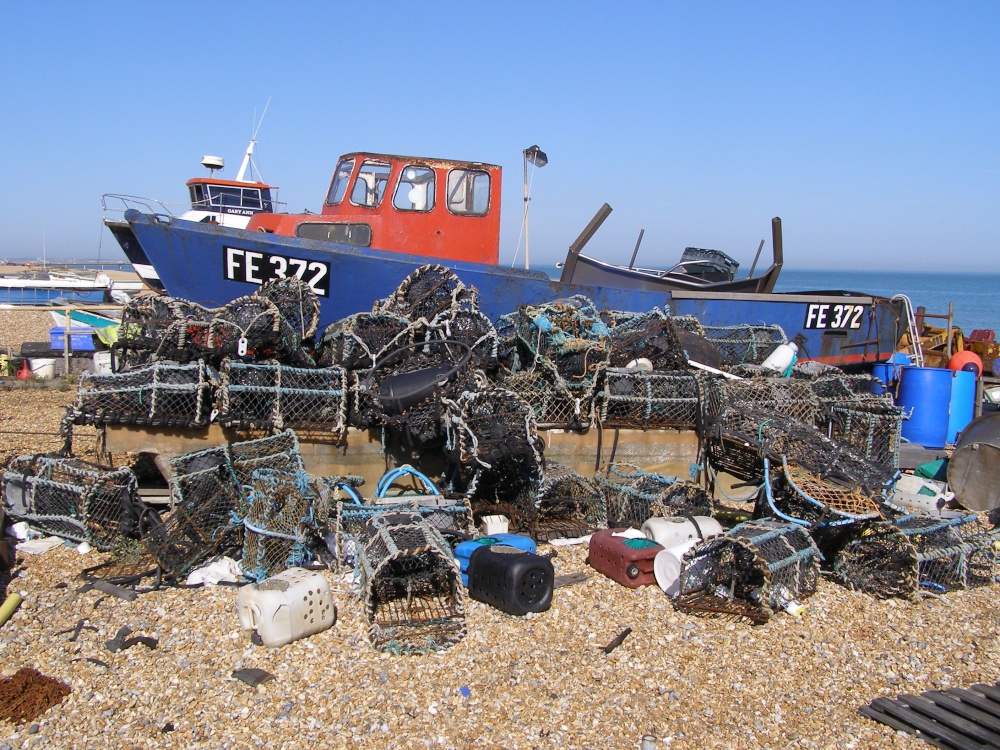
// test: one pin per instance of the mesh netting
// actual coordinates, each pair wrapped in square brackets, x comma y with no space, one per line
[744,344]
[410,586]
[872,429]
[632,496]
[794,398]
[648,336]
[471,327]
[644,400]
[359,341]
[918,553]
[73,499]
[275,396]
[797,494]
[210,490]
[761,564]
[297,303]
[553,402]
[426,292]
[160,394]
[154,327]
[283,513]
[569,505]
[253,328]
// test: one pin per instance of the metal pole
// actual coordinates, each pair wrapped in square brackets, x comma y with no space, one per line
[526,199]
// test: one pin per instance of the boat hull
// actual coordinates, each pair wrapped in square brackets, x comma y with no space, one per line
[594,272]
[212,265]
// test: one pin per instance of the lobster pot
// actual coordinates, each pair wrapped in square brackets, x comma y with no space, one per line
[72,499]
[649,336]
[297,303]
[254,328]
[471,327]
[785,396]
[410,586]
[452,518]
[209,490]
[554,404]
[795,493]
[161,394]
[569,505]
[744,344]
[837,387]
[871,428]
[492,426]
[275,396]
[642,399]
[281,510]
[157,328]
[359,341]
[632,496]
[426,292]
[755,567]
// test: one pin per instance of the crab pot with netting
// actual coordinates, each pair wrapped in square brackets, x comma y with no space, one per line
[407,388]
[871,428]
[784,396]
[253,329]
[554,403]
[428,291]
[744,344]
[160,394]
[297,303]
[634,398]
[410,586]
[649,336]
[472,328]
[274,397]
[154,327]
[284,511]
[794,493]
[632,496]
[492,426]
[569,504]
[359,341]
[73,499]
[834,386]
[754,568]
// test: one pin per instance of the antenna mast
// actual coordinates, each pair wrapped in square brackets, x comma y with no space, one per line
[248,156]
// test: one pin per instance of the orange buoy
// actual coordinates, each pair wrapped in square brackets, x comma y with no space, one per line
[966,360]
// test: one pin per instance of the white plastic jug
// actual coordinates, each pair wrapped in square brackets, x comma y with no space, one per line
[283,608]
[782,357]
[673,530]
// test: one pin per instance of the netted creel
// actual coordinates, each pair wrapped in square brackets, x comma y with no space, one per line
[633,495]
[296,301]
[425,293]
[410,586]
[744,343]
[272,396]
[636,398]
[155,327]
[569,504]
[472,328]
[359,341]
[73,499]
[650,336]
[254,329]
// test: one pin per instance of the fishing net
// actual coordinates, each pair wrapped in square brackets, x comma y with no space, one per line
[209,490]
[472,328]
[569,505]
[359,341]
[73,499]
[744,344]
[407,390]
[426,292]
[280,524]
[794,493]
[784,396]
[160,394]
[916,553]
[410,586]
[654,400]
[757,566]
[632,496]
[274,397]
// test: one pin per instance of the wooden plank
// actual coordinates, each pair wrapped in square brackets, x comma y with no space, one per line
[927,726]
[899,726]
[945,717]
[955,705]
[993,693]
[979,701]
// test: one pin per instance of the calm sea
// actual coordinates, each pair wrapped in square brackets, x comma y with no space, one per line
[974,295]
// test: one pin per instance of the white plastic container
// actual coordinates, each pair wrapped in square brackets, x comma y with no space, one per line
[102,363]
[673,530]
[293,604]
[667,567]
[43,368]
[781,358]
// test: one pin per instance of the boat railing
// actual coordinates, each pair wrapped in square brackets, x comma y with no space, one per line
[114,205]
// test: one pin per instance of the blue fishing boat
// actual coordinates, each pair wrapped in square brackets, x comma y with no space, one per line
[385,216]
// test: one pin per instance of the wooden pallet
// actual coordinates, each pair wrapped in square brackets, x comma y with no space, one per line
[955,719]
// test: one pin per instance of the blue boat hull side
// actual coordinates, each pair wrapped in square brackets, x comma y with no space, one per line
[193,260]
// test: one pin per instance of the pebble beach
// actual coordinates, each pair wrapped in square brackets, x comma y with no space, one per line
[539,681]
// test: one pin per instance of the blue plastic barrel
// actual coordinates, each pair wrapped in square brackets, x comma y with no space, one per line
[886,375]
[962,404]
[925,394]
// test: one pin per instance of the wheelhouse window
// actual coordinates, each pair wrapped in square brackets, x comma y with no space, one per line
[338,188]
[225,196]
[468,192]
[370,184]
[415,191]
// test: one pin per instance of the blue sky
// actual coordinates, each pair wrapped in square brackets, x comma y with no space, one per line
[870,128]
